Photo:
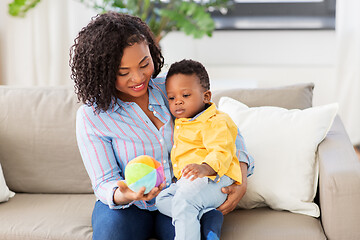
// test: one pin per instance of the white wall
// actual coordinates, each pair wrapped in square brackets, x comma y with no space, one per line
[262,58]
[3,12]
[233,58]
[34,50]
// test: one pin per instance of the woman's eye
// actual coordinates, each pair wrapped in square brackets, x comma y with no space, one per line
[122,74]
[144,66]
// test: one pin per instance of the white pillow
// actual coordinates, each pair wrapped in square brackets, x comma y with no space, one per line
[284,144]
[5,193]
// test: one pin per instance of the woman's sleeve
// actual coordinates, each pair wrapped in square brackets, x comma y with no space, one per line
[98,156]
[242,153]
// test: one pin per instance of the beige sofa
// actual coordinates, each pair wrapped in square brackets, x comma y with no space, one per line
[54,200]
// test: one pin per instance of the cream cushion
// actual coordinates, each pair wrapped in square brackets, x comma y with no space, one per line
[38,149]
[265,223]
[47,216]
[5,193]
[284,144]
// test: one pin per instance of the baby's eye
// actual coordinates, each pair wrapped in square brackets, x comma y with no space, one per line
[186,95]
[171,98]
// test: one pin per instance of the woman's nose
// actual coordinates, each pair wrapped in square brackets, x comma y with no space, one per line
[136,77]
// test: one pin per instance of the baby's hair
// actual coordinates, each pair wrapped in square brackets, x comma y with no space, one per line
[97,51]
[189,67]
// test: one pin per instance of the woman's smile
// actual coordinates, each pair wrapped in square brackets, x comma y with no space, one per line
[139,87]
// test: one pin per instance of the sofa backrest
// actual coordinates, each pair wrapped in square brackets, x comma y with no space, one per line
[38,149]
[298,96]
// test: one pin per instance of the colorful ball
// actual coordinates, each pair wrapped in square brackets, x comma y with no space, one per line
[144,171]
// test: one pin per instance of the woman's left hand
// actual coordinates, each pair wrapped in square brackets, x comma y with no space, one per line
[235,192]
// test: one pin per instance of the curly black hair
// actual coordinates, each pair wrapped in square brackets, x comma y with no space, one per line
[189,67]
[97,53]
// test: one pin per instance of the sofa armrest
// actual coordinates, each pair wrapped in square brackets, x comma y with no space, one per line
[339,185]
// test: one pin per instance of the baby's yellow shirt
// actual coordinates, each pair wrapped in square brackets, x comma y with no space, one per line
[209,138]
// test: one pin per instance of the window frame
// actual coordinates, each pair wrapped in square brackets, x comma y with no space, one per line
[316,15]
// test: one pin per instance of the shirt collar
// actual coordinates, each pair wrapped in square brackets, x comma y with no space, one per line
[202,116]
[155,98]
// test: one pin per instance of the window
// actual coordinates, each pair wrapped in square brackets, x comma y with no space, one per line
[277,14]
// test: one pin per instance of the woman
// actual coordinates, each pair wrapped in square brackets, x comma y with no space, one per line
[115,62]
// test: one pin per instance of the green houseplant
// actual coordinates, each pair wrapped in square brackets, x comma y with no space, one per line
[191,17]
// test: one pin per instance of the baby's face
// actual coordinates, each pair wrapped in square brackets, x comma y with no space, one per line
[186,96]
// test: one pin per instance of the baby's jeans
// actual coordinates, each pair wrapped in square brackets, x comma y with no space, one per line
[186,201]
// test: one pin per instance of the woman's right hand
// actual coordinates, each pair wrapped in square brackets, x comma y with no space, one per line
[124,195]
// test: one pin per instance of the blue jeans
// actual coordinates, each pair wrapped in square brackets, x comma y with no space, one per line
[186,201]
[136,224]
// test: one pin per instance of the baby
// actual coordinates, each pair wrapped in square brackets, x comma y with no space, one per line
[204,152]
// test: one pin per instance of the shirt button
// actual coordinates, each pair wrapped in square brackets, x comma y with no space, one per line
[154,112]
[174,146]
[177,127]
[164,161]
[175,165]
[161,140]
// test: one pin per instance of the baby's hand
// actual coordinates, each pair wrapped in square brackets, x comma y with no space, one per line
[193,171]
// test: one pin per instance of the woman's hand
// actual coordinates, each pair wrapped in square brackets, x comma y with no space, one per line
[124,195]
[235,192]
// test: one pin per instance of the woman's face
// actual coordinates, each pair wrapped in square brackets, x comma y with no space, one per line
[135,70]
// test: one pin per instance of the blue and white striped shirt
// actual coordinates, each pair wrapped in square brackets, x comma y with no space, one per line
[109,140]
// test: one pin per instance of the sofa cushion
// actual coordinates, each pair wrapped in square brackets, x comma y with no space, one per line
[68,216]
[290,97]
[264,223]
[47,216]
[38,149]
[283,143]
